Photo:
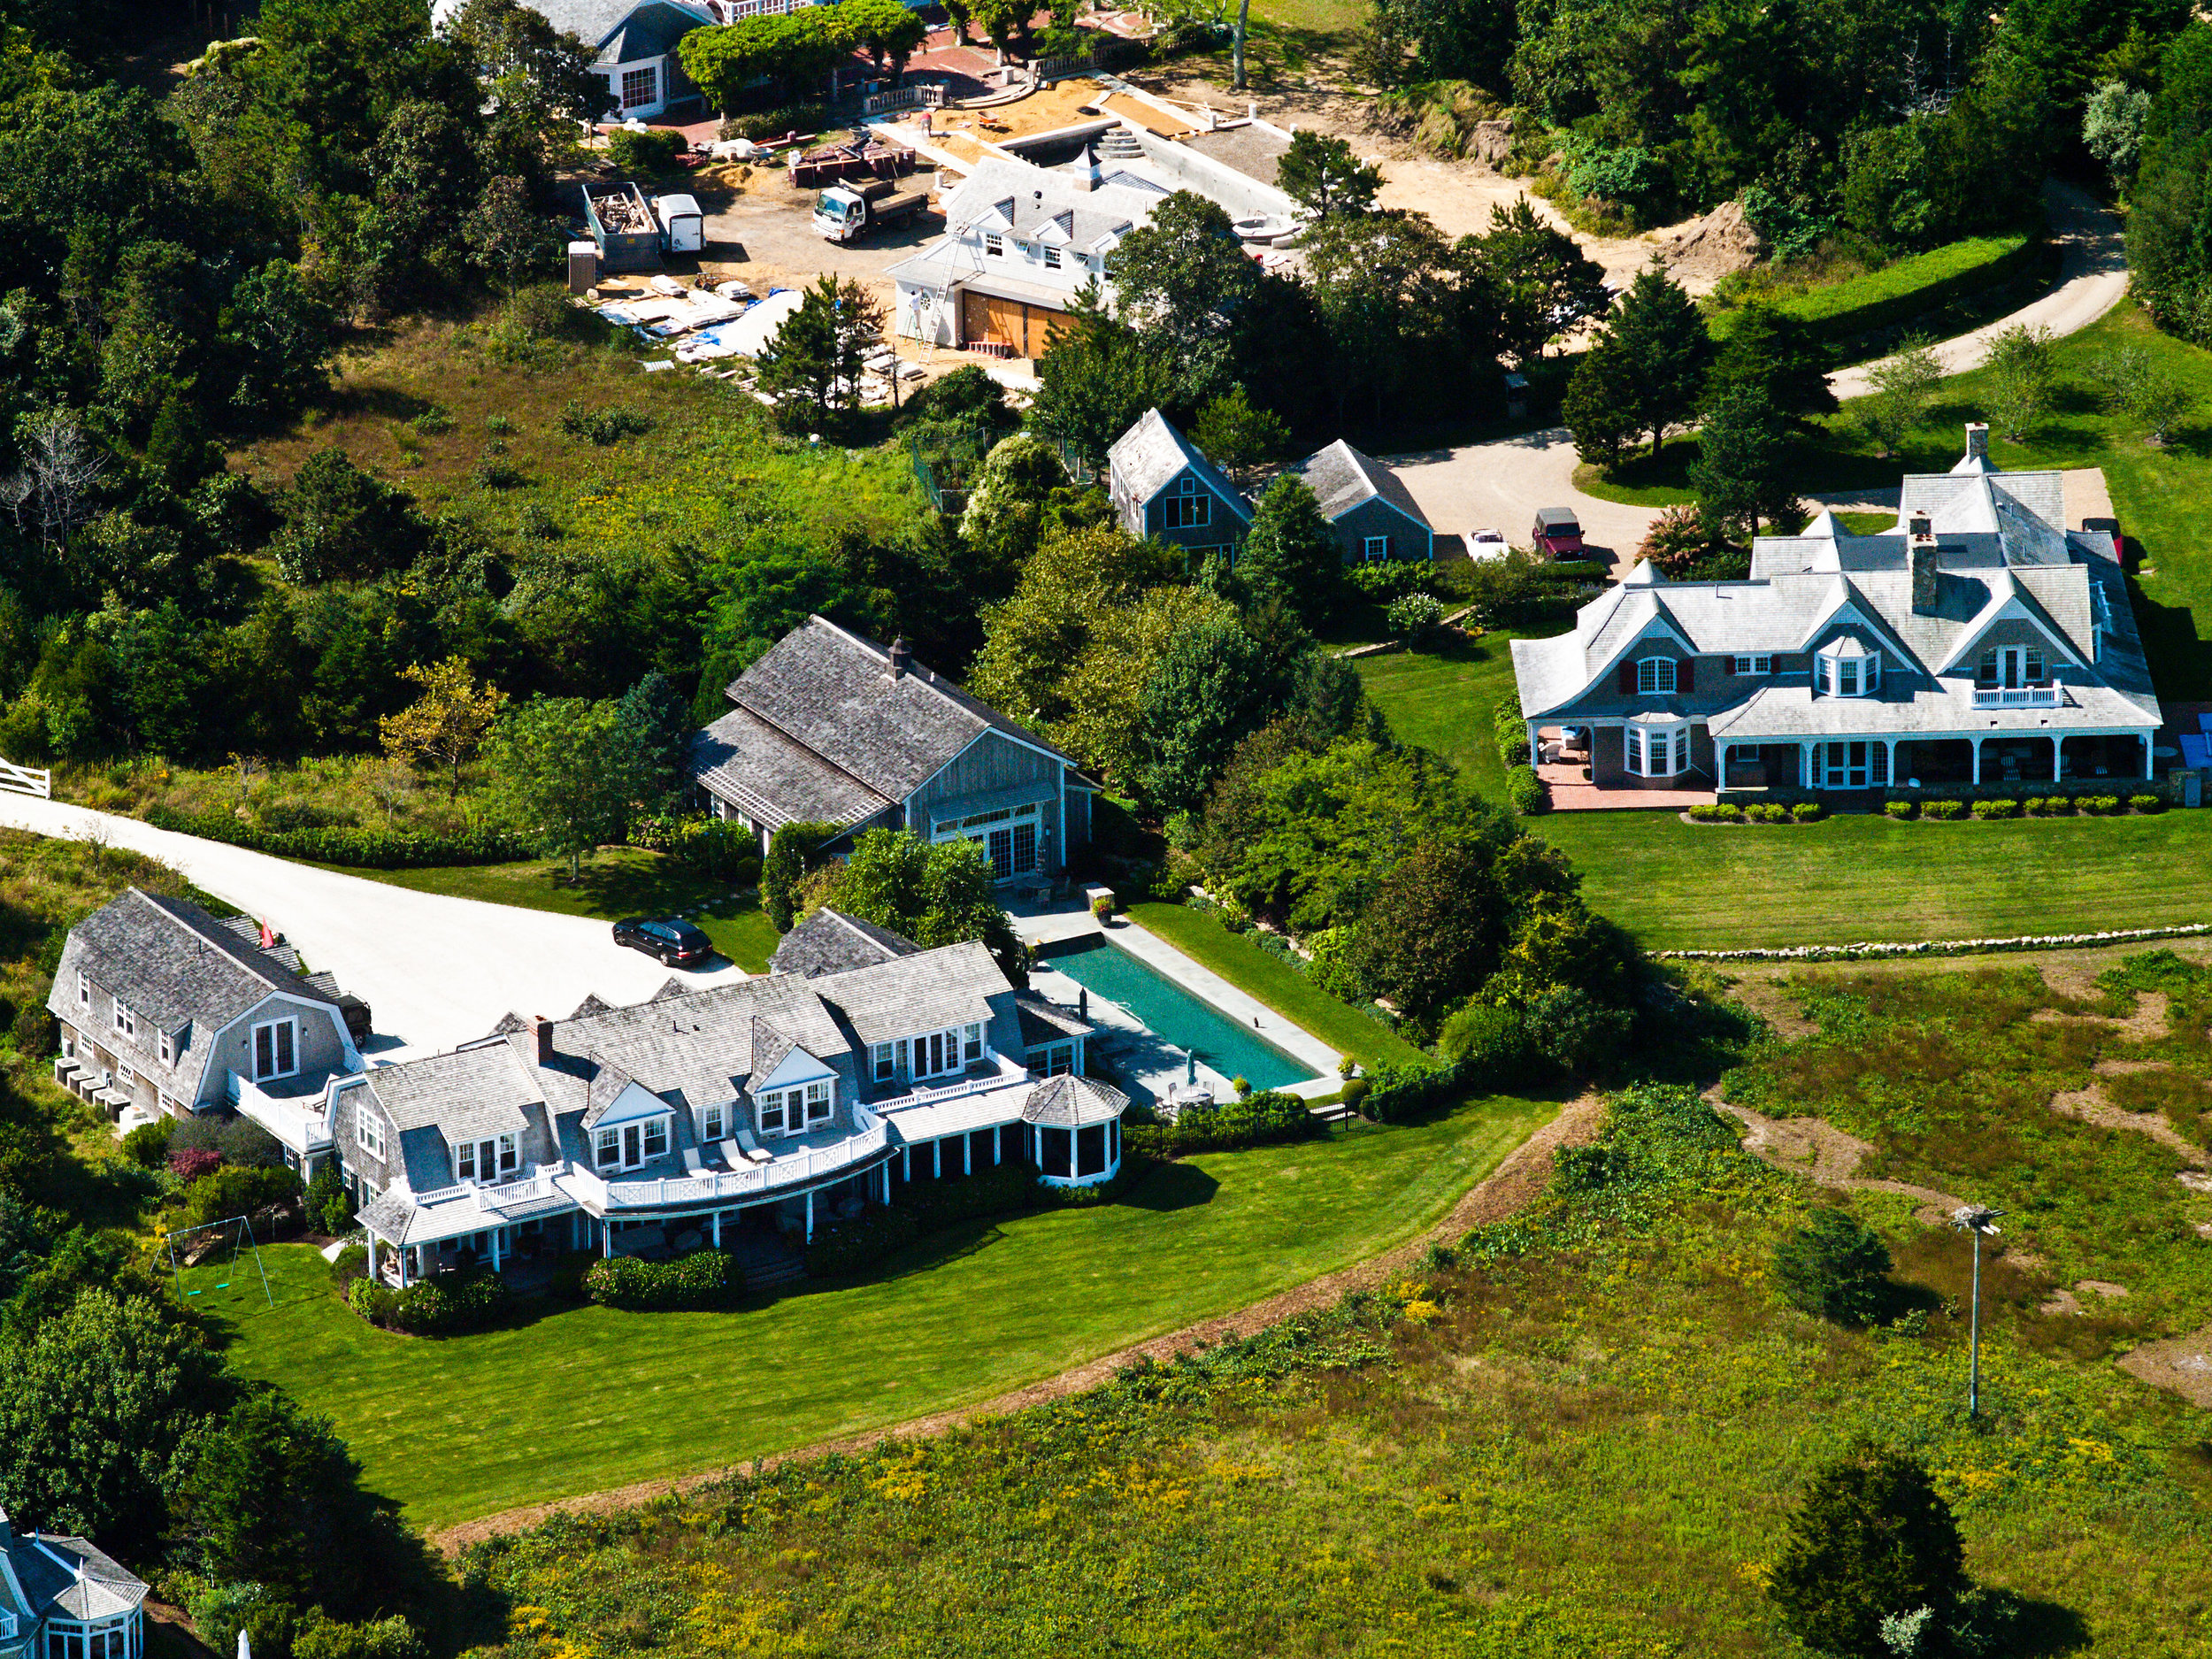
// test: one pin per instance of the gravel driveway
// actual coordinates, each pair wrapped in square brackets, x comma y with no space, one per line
[435,971]
[1500,485]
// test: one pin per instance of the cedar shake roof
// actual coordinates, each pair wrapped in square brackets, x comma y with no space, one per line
[1074,1103]
[830,941]
[174,964]
[822,730]
[1341,478]
[68,1577]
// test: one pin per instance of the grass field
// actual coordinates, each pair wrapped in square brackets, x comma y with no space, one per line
[2162,496]
[1681,886]
[1274,982]
[581,1399]
[615,882]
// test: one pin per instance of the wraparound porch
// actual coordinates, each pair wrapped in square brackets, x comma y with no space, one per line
[1918,762]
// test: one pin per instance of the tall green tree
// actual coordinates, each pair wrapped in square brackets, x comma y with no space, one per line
[1181,278]
[1743,472]
[1322,174]
[568,772]
[1543,284]
[1659,330]
[1215,687]
[1096,378]
[813,363]
[1777,354]
[1293,552]
[934,894]
[1600,407]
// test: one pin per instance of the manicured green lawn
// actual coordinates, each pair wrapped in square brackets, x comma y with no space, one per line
[1679,887]
[583,1399]
[2163,496]
[1275,983]
[615,882]
[1442,700]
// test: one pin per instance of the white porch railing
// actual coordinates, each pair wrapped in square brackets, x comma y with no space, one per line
[2019,697]
[922,95]
[26,780]
[794,1169]
[953,1091]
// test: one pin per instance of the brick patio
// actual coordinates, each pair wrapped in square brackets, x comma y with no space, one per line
[1571,793]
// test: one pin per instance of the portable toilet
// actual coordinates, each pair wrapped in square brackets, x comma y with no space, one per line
[682,227]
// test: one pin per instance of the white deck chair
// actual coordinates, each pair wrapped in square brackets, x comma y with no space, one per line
[693,1162]
[751,1149]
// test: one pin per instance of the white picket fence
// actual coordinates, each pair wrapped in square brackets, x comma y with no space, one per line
[26,780]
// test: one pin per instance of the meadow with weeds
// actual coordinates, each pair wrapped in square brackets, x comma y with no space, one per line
[1578,1434]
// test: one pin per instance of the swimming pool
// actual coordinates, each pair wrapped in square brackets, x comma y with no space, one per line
[1106,970]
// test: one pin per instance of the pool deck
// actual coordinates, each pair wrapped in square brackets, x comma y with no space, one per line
[1073,921]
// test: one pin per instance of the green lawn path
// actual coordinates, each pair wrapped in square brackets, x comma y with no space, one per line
[584,1399]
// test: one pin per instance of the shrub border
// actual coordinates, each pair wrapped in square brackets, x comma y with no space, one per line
[1867,948]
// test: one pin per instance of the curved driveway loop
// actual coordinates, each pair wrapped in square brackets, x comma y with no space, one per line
[435,971]
[1499,486]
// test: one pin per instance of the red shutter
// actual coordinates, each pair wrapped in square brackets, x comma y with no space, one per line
[1628,680]
[1685,674]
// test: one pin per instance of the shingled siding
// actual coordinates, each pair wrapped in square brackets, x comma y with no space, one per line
[992,766]
[1408,540]
[317,1044]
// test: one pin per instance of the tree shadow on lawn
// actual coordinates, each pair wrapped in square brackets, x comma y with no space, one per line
[2180,658]
[1169,1186]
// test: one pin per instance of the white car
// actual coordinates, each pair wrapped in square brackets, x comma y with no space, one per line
[1486,544]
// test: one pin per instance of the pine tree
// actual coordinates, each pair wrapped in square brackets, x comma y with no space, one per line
[1742,472]
[1668,351]
[1778,354]
[1291,551]
[1601,404]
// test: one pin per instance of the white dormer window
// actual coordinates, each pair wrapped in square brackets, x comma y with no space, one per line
[1655,675]
[84,990]
[168,1046]
[368,1133]
[713,1122]
[1052,255]
[625,1146]
[881,1062]
[994,245]
[1847,669]
[126,1022]
[2009,667]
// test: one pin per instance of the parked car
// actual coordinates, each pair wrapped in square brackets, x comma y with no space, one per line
[677,943]
[1558,534]
[1486,544]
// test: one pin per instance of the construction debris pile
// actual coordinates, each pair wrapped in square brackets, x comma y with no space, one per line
[625,214]
[704,324]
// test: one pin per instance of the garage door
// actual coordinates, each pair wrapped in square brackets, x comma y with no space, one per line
[1027,328]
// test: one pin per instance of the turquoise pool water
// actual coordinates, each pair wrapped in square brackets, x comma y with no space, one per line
[1106,970]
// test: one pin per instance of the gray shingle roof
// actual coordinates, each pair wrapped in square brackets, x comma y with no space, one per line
[467,1094]
[834,735]
[594,22]
[1145,460]
[1341,477]
[69,1577]
[1074,1103]
[830,941]
[1016,199]
[172,964]
[1045,1021]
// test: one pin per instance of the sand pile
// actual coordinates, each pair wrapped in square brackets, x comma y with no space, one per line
[1711,247]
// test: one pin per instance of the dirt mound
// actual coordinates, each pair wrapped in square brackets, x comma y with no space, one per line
[2183,1363]
[1711,247]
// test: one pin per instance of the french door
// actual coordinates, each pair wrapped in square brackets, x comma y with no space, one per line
[1854,765]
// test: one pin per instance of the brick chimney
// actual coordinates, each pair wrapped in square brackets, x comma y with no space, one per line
[901,658]
[1924,569]
[541,1038]
[1978,441]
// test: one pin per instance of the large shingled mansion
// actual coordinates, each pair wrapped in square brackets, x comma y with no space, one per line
[1976,641]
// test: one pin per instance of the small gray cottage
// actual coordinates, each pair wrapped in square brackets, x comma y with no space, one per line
[61,1598]
[1374,514]
[1979,641]
[766,1107]
[1161,487]
[632,43]
[832,727]
[162,1009]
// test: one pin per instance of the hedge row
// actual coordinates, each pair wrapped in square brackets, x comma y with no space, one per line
[1261,1119]
[2035,806]
[1759,812]
[704,1279]
[443,1306]
[1904,289]
[349,845]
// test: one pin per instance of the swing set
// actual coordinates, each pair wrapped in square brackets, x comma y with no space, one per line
[210,1269]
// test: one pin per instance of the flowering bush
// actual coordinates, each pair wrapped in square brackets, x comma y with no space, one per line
[190,1166]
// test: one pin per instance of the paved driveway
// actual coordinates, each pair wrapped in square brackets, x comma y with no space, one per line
[435,971]
[1500,485]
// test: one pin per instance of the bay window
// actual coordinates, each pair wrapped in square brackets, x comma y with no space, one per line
[1847,669]
[1657,748]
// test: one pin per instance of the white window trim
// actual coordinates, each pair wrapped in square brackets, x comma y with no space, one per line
[368,1134]
[84,990]
[956,1043]
[1374,549]
[1762,662]
[123,1020]
[810,1103]
[167,1045]
[883,1067]
[664,1122]
[994,245]
[253,1049]
[1866,674]
[1655,676]
[1637,747]
[712,1122]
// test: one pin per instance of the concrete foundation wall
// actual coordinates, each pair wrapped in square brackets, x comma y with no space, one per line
[1185,167]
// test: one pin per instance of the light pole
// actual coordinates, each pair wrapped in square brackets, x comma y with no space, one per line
[1979,1221]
